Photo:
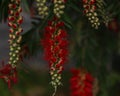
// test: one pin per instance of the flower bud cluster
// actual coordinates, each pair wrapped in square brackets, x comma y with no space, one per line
[91,12]
[42,8]
[59,6]
[14,22]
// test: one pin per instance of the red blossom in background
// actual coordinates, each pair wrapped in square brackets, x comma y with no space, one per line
[55,45]
[113,25]
[81,83]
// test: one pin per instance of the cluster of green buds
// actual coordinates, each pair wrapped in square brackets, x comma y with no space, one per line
[55,78]
[91,13]
[59,6]
[14,22]
[42,8]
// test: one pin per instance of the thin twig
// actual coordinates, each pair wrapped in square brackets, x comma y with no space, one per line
[54,91]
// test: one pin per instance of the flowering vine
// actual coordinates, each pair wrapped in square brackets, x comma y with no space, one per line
[59,6]
[42,8]
[8,72]
[55,48]
[90,10]
[81,83]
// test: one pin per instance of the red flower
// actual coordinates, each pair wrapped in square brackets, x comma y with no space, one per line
[55,48]
[81,83]
[113,25]
[9,74]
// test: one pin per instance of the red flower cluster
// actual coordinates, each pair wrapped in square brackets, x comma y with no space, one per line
[55,48]
[9,74]
[81,83]
[14,21]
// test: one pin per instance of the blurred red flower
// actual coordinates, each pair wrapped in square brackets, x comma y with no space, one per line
[81,83]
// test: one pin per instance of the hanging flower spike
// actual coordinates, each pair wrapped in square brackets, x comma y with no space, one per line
[42,8]
[90,10]
[59,6]
[14,22]
[81,83]
[55,48]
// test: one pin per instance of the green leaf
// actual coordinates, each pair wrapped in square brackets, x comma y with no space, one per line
[67,21]
[25,5]
[75,7]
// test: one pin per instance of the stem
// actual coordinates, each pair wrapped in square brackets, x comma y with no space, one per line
[118,42]
[55,90]
[84,52]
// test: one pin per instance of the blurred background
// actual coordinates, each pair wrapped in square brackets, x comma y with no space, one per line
[98,51]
